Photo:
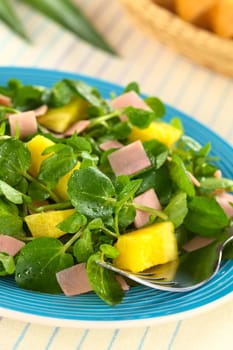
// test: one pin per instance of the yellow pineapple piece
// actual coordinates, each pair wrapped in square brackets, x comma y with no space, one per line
[36,146]
[147,247]
[163,132]
[61,118]
[44,224]
[61,187]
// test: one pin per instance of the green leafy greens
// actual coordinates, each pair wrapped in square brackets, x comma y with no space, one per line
[103,204]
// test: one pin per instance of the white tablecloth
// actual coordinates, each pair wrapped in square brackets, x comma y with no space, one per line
[200,92]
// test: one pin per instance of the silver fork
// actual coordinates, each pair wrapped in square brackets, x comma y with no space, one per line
[183,275]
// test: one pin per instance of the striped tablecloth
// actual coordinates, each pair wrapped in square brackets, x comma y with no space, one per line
[199,92]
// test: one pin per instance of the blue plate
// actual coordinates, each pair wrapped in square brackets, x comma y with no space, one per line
[141,305]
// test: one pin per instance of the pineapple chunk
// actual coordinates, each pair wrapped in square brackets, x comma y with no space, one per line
[163,132]
[61,118]
[36,146]
[44,224]
[61,187]
[147,247]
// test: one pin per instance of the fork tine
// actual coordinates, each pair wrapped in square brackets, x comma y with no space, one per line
[161,282]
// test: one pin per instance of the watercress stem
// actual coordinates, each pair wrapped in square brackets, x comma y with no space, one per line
[68,244]
[103,118]
[106,230]
[51,193]
[116,221]
[152,211]
[59,206]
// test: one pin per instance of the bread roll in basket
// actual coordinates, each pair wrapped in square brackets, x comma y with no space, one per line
[189,30]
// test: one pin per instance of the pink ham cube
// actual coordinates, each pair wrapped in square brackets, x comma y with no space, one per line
[129,159]
[130,98]
[10,245]
[25,122]
[148,199]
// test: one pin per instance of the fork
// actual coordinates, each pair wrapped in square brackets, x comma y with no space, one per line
[185,274]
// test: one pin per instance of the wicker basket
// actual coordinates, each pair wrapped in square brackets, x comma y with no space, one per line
[198,44]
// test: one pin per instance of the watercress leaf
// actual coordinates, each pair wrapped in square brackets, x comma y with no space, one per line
[22,185]
[126,216]
[121,130]
[212,183]
[177,123]
[180,176]
[85,91]
[88,159]
[132,86]
[15,159]
[103,281]
[7,264]
[139,117]
[157,106]
[10,193]
[160,180]
[7,207]
[54,148]
[38,262]
[10,222]
[188,143]
[27,97]
[204,169]
[13,85]
[95,224]
[36,192]
[205,150]
[177,209]
[91,192]
[228,251]
[57,165]
[60,94]
[73,223]
[161,159]
[205,217]
[206,257]
[120,182]
[79,143]
[109,251]
[156,151]
[129,190]
[83,247]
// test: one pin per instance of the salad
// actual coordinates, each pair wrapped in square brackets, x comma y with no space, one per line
[84,179]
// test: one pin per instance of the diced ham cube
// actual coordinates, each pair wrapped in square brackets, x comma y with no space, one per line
[130,98]
[78,127]
[25,122]
[110,144]
[148,199]
[5,100]
[196,243]
[129,159]
[41,110]
[74,280]
[224,199]
[10,245]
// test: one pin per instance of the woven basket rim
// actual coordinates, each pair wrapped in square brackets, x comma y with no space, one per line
[200,45]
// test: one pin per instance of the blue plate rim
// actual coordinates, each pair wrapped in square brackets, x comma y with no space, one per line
[22,314]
